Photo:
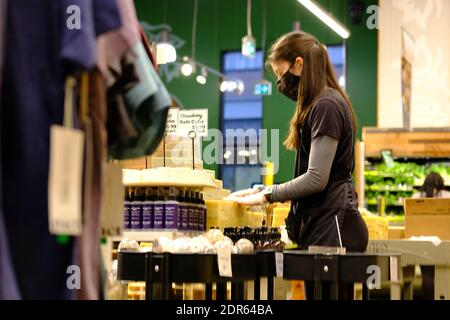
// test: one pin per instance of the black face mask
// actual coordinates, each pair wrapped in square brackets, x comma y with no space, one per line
[289,84]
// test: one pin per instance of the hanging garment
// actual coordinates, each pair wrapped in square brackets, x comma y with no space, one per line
[88,244]
[39,54]
[8,284]
[147,104]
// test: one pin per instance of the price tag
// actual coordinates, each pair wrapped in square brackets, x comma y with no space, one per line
[394,268]
[172,121]
[195,120]
[112,201]
[65,180]
[224,262]
[279,261]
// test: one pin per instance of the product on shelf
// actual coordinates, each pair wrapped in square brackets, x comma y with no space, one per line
[128,245]
[158,209]
[214,235]
[244,246]
[183,212]
[127,209]
[164,209]
[171,208]
[147,209]
[136,209]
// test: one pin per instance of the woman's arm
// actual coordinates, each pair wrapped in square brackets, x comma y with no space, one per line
[323,151]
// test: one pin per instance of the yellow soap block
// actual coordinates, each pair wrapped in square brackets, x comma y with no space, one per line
[279,215]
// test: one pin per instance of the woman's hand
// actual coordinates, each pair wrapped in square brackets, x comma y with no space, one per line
[252,199]
[242,193]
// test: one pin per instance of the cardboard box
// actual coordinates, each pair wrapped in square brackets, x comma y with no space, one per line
[427,217]
[396,233]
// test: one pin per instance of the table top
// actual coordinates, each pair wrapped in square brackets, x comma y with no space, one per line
[414,252]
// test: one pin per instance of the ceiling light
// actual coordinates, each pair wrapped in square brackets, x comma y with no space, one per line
[326,18]
[165,51]
[188,67]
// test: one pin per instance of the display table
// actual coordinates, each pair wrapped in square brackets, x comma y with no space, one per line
[423,253]
[166,268]
[341,271]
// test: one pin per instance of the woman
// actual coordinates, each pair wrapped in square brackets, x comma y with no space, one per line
[324,207]
[433,187]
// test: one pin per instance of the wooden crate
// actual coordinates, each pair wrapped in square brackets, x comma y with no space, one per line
[415,144]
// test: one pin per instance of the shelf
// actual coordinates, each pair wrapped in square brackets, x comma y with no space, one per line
[374,203]
[169,184]
[149,235]
[389,190]
[373,173]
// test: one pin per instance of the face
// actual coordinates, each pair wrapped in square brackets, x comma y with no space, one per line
[288,77]
[282,66]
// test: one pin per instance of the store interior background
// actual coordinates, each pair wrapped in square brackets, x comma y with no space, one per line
[220,28]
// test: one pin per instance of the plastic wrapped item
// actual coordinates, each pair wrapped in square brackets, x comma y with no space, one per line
[163,244]
[128,245]
[228,240]
[115,290]
[210,249]
[244,246]
[199,244]
[214,235]
[223,243]
[182,245]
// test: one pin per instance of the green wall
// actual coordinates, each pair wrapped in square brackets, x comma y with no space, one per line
[220,27]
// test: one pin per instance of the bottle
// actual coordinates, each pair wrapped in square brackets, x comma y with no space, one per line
[171,210]
[127,209]
[183,211]
[136,210]
[196,202]
[192,210]
[147,209]
[158,209]
[202,223]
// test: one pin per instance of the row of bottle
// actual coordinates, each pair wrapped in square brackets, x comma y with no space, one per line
[263,238]
[164,208]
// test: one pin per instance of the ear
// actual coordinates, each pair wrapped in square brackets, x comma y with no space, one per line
[297,68]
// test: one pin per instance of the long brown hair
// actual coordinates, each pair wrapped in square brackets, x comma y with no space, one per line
[317,75]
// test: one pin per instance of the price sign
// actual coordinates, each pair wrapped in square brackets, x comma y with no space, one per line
[172,122]
[195,120]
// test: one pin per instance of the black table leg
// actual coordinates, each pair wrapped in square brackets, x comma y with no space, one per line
[208,291]
[270,288]
[257,289]
[237,291]
[365,293]
[221,291]
[334,291]
[317,290]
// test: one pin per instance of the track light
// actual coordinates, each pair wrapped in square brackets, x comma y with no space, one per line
[188,67]
[201,78]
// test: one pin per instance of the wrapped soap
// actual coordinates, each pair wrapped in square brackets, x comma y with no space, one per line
[182,245]
[245,246]
[214,235]
[128,245]
[163,244]
[210,249]
[199,244]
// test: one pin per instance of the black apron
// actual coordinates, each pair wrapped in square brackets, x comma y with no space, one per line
[312,219]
